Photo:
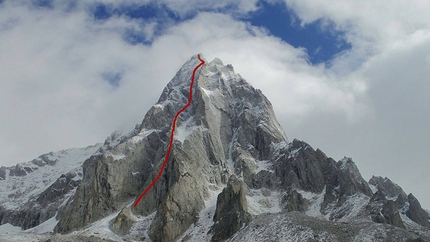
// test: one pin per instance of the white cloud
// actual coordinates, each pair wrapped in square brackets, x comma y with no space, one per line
[186,7]
[53,91]
[56,61]
[370,26]
[394,19]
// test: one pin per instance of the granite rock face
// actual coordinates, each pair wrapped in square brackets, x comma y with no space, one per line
[294,201]
[19,171]
[391,214]
[393,194]
[231,210]
[123,222]
[386,186]
[232,171]
[416,213]
[300,166]
[345,181]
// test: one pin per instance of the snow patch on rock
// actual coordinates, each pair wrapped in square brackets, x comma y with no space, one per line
[264,165]
[315,201]
[45,227]
[199,231]
[185,129]
[8,228]
[263,201]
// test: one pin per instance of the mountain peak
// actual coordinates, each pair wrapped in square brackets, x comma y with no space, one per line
[217,87]
[231,172]
[229,129]
[216,61]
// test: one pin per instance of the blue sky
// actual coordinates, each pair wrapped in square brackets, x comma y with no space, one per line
[349,77]
[321,41]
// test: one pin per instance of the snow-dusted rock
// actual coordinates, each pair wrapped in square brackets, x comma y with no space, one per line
[231,210]
[33,192]
[123,222]
[416,213]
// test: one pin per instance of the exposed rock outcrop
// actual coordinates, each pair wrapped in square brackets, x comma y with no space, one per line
[179,209]
[231,210]
[301,167]
[294,201]
[345,181]
[416,213]
[100,193]
[388,187]
[2,173]
[18,170]
[123,222]
[391,214]
[407,204]
[382,210]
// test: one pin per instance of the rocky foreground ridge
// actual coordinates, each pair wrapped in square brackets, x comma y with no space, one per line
[233,175]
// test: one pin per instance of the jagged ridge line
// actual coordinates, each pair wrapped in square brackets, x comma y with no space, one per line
[172,134]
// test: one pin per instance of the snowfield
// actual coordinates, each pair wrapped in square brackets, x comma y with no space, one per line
[40,173]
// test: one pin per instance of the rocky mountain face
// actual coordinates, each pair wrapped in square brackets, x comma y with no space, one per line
[32,192]
[232,176]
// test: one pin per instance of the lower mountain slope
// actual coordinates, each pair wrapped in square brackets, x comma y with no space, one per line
[32,192]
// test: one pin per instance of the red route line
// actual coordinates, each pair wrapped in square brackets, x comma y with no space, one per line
[172,134]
